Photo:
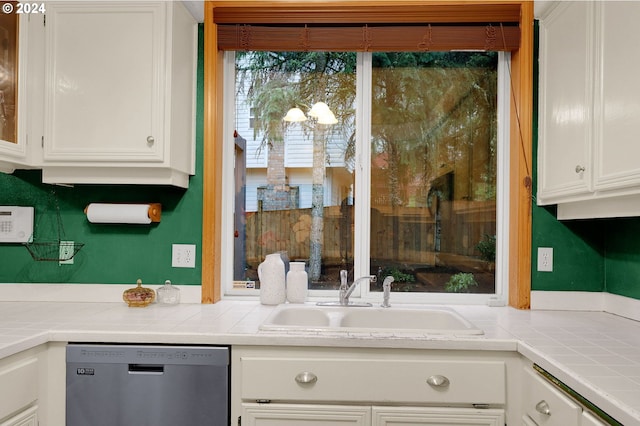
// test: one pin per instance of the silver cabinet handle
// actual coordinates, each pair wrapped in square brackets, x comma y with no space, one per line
[580,169]
[438,381]
[543,408]
[306,377]
[150,140]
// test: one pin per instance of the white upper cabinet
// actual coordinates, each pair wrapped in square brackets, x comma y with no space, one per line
[589,110]
[566,76]
[617,144]
[119,93]
[21,62]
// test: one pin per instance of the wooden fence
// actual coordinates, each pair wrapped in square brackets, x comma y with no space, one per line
[409,235]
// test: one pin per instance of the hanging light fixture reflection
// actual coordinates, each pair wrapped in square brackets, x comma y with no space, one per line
[323,113]
[319,111]
[295,114]
[327,118]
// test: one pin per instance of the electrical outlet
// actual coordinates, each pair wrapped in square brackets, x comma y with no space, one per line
[183,255]
[545,259]
[66,252]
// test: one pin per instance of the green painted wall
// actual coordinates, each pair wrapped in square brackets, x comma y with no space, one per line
[112,254]
[589,255]
[622,257]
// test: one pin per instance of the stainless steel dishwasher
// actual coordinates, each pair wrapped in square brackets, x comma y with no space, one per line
[155,385]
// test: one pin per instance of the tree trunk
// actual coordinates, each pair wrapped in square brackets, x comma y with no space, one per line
[317,204]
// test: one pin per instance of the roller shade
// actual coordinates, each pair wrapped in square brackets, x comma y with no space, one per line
[403,28]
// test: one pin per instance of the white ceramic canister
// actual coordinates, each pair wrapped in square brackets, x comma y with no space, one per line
[297,283]
[272,280]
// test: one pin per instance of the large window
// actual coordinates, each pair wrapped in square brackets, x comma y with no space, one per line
[407,179]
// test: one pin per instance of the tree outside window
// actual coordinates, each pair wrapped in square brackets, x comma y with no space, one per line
[432,145]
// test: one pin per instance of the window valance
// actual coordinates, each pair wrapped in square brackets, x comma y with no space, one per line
[384,28]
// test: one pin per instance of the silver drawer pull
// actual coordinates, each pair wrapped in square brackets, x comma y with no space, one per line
[543,408]
[438,381]
[579,169]
[306,377]
[150,140]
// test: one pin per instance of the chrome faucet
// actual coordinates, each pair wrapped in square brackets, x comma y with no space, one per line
[346,290]
[386,289]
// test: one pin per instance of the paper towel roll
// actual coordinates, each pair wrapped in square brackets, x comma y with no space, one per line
[121,213]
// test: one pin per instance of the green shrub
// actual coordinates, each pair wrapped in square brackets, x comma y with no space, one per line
[460,283]
[398,275]
[487,248]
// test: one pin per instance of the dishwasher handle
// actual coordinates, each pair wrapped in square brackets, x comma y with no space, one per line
[152,369]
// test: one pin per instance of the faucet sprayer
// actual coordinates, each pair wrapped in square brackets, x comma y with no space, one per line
[386,289]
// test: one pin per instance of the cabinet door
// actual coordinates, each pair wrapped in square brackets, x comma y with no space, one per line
[617,143]
[304,414]
[20,80]
[105,71]
[28,417]
[565,115]
[400,416]
[9,54]
[547,405]
[18,384]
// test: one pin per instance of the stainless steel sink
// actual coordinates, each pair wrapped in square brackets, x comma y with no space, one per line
[345,318]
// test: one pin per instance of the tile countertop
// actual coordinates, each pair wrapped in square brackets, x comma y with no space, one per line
[597,354]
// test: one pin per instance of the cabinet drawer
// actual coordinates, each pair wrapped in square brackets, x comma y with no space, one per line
[541,395]
[18,385]
[373,380]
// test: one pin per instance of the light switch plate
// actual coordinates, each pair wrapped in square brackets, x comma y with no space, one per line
[545,259]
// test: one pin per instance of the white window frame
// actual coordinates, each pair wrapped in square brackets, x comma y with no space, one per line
[362,192]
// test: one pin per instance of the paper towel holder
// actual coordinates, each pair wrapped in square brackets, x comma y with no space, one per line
[154,210]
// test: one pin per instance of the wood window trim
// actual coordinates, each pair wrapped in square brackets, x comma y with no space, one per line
[361,12]
[521,130]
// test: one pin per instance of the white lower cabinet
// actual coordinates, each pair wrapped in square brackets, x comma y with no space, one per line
[254,414]
[304,414]
[546,404]
[28,417]
[32,387]
[378,387]
[399,416]
[18,390]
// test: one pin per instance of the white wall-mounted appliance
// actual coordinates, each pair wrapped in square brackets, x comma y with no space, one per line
[16,224]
